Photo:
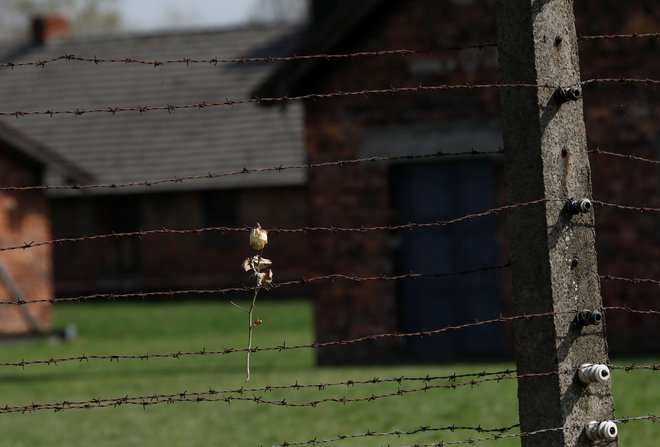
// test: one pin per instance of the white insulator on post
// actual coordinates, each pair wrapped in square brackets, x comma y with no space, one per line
[589,373]
[601,431]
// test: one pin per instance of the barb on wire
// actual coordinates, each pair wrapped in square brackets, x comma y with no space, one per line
[499,436]
[279,99]
[626,156]
[239,395]
[223,291]
[244,60]
[641,209]
[632,280]
[280,168]
[399,433]
[315,345]
[408,226]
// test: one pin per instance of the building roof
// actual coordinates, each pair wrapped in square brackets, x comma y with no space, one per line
[324,35]
[130,146]
[14,140]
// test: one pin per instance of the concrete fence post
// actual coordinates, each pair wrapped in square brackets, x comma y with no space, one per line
[552,251]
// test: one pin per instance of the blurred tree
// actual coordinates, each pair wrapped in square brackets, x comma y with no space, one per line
[279,11]
[87,16]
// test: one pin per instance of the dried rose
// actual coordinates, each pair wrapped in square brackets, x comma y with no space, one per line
[256,263]
[258,238]
[265,279]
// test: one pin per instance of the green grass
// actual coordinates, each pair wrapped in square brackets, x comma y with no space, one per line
[140,328]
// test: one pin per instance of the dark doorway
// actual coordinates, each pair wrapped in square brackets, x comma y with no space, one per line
[440,191]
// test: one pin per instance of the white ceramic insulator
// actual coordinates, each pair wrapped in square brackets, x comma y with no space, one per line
[589,373]
[601,431]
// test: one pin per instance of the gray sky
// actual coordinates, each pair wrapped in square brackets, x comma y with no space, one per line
[154,14]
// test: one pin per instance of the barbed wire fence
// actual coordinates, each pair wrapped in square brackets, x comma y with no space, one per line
[558,315]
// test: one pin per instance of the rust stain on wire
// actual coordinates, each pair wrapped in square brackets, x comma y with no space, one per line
[280,168]
[222,291]
[244,60]
[408,226]
[314,346]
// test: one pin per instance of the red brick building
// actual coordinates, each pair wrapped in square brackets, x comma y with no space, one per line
[619,118]
[134,147]
[24,217]
[139,147]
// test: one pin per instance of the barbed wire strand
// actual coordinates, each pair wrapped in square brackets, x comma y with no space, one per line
[632,280]
[450,428]
[644,81]
[16,301]
[626,156]
[620,36]
[254,100]
[634,367]
[500,436]
[223,291]
[641,209]
[270,388]
[315,346]
[280,168]
[238,394]
[244,60]
[399,433]
[245,170]
[362,229]
[306,229]
[314,96]
[229,397]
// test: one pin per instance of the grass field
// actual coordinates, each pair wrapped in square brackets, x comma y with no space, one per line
[139,328]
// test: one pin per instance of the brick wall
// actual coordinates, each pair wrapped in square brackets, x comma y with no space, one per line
[24,217]
[621,119]
[163,262]
[624,119]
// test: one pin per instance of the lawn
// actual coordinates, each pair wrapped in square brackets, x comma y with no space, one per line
[117,327]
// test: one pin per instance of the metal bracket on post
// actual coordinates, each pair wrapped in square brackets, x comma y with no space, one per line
[546,157]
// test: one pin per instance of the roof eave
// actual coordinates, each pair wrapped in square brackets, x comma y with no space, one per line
[319,38]
[42,154]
